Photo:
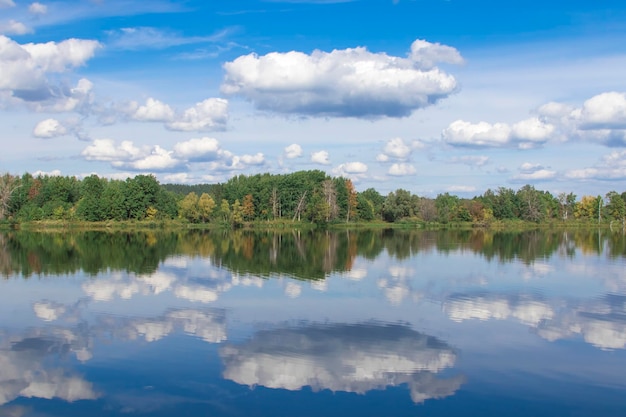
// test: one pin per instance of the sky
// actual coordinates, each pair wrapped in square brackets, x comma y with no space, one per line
[430,96]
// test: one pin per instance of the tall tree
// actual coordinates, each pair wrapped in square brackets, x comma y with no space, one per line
[8,184]
[206,205]
[353,201]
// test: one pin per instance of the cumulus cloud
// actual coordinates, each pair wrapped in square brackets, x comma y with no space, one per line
[49,128]
[533,172]
[127,156]
[604,111]
[207,115]
[153,111]
[610,167]
[320,157]
[38,8]
[397,149]
[293,151]
[106,150]
[24,67]
[526,134]
[343,83]
[342,357]
[13,27]
[6,3]
[352,170]
[401,169]
[427,55]
[201,149]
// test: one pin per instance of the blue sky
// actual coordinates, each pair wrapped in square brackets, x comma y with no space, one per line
[431,96]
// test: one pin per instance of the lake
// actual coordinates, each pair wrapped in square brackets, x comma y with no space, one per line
[367,323]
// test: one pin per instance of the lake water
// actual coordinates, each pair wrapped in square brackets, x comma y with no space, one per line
[367,323]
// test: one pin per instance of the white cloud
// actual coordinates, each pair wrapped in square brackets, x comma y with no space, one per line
[159,159]
[256,159]
[38,8]
[205,150]
[401,169]
[610,167]
[395,148]
[351,168]
[604,111]
[202,149]
[24,68]
[533,172]
[153,111]
[342,83]
[49,128]
[532,130]
[426,55]
[13,27]
[525,134]
[105,150]
[482,134]
[293,151]
[320,157]
[210,114]
[7,3]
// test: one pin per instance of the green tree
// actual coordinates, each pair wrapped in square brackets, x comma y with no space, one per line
[90,205]
[615,208]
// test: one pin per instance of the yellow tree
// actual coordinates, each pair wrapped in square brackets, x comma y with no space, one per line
[188,207]
[206,205]
[237,213]
[586,208]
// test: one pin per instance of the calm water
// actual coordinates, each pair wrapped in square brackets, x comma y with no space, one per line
[378,323]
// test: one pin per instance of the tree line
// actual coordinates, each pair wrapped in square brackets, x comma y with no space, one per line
[304,196]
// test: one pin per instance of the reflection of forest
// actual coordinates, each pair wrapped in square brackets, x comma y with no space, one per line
[303,255]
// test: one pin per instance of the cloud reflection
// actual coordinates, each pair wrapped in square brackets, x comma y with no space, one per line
[601,323]
[23,373]
[527,309]
[343,357]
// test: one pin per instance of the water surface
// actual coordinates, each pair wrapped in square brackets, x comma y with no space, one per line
[371,323]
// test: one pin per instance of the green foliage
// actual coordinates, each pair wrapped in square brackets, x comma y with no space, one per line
[303,196]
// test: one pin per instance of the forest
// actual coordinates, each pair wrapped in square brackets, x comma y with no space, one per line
[305,196]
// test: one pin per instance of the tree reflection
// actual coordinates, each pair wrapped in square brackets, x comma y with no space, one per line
[307,255]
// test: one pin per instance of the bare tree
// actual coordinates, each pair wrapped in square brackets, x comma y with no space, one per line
[330,196]
[8,184]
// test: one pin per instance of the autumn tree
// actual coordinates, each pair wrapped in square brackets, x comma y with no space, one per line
[248,207]
[188,208]
[237,213]
[206,205]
